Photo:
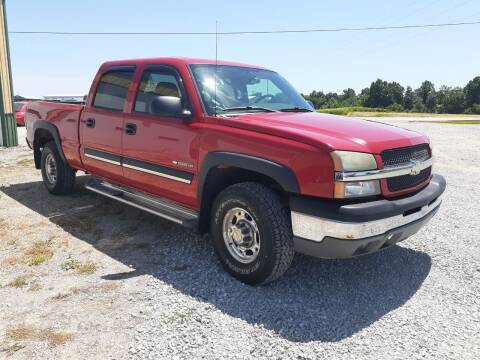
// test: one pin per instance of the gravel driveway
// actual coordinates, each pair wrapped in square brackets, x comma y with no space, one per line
[152,290]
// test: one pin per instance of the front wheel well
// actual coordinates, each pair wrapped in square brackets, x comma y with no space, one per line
[222,177]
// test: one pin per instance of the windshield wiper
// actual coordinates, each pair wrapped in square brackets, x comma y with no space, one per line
[296,109]
[248,108]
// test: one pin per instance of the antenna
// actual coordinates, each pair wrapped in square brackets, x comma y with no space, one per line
[216,42]
[216,65]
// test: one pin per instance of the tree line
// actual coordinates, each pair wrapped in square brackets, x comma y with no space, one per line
[394,97]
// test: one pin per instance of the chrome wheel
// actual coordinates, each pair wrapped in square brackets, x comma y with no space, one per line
[51,169]
[241,235]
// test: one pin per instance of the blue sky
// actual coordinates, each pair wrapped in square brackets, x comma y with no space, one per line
[324,61]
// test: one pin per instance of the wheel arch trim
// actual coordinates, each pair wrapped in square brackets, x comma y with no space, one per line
[283,175]
[52,129]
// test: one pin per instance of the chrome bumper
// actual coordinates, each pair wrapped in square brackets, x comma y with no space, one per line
[317,229]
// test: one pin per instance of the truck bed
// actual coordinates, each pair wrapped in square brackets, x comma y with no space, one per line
[64,116]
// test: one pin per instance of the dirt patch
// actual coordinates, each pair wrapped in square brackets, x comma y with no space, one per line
[38,253]
[87,268]
[27,332]
[19,282]
[11,349]
[54,300]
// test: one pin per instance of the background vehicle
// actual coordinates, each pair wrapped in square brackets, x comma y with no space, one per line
[233,149]
[20,107]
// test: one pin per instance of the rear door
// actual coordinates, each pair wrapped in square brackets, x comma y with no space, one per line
[101,125]
[160,153]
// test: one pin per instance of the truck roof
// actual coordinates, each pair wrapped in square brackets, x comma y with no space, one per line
[176,61]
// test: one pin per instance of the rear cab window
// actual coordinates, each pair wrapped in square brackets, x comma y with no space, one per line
[112,89]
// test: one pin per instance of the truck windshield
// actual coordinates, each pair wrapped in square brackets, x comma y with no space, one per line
[234,89]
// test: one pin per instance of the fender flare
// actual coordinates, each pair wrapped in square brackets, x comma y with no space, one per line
[52,129]
[280,173]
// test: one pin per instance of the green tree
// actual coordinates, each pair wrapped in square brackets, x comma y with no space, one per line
[392,96]
[377,94]
[472,91]
[409,98]
[317,98]
[418,105]
[332,100]
[426,93]
[363,96]
[442,97]
[451,100]
[349,97]
[384,94]
[394,93]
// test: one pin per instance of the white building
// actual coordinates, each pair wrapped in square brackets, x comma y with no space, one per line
[64,97]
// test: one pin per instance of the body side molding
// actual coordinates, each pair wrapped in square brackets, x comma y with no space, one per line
[138,165]
[159,170]
[103,156]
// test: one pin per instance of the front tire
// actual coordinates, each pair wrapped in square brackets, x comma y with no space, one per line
[58,176]
[252,233]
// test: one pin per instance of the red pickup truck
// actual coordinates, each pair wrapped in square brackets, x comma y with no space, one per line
[233,149]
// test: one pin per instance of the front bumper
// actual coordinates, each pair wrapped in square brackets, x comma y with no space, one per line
[333,229]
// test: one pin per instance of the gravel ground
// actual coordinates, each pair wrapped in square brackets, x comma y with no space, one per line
[158,292]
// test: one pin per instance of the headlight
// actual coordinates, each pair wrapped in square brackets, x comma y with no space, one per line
[356,189]
[353,161]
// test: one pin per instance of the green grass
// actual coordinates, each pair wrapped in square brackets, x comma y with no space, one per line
[38,253]
[88,268]
[349,110]
[378,112]
[18,282]
[24,332]
[411,114]
[73,264]
[70,264]
[456,122]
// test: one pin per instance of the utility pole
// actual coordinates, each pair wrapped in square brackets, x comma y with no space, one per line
[8,126]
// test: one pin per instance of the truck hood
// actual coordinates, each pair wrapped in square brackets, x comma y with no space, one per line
[329,131]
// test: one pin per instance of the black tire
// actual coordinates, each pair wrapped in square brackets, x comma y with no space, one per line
[64,174]
[273,222]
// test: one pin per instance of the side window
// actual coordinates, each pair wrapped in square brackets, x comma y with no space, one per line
[156,83]
[112,89]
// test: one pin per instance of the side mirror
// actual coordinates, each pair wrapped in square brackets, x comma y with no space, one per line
[169,106]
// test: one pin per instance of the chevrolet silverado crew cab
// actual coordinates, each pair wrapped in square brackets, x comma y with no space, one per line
[233,149]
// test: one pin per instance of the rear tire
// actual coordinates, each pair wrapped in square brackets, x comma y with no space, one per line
[58,176]
[252,233]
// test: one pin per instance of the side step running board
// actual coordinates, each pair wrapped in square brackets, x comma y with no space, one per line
[154,205]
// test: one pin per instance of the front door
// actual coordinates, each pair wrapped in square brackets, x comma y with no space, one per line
[160,152]
[101,125]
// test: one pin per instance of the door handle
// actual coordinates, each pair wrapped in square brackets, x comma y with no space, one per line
[130,129]
[90,123]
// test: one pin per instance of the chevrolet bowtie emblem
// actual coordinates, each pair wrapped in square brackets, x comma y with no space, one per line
[416,169]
